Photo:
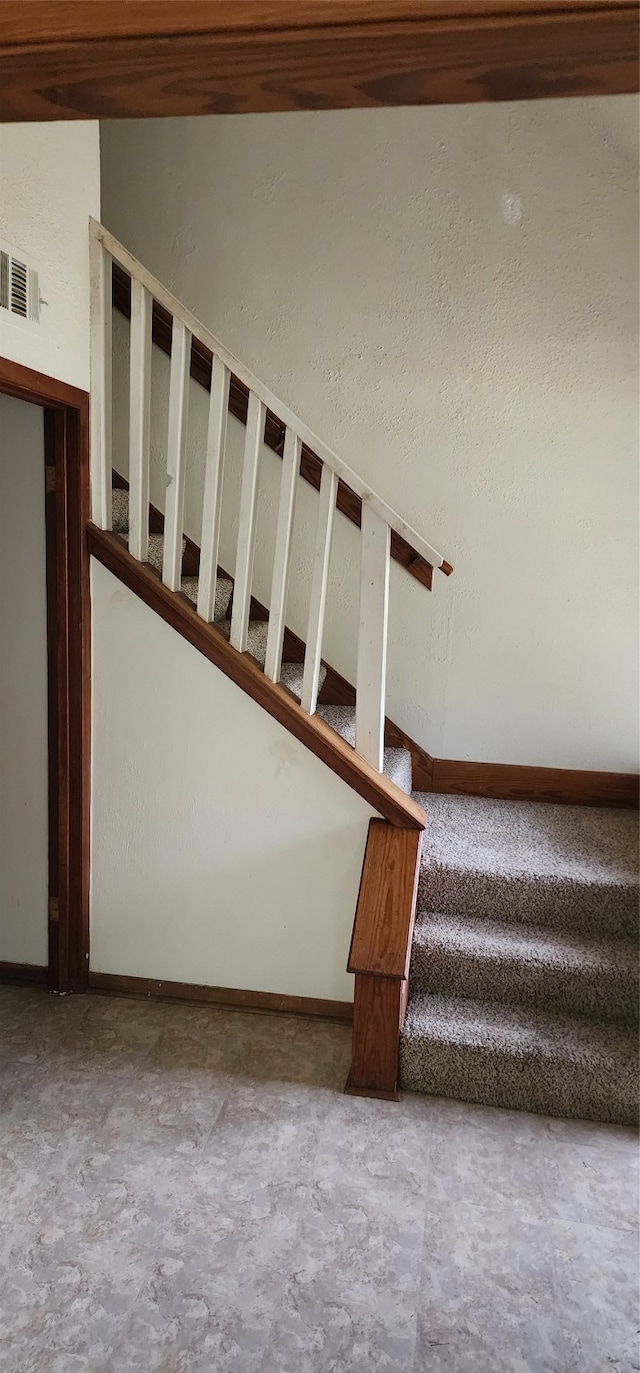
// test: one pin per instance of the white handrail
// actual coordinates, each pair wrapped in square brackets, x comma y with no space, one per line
[199,331]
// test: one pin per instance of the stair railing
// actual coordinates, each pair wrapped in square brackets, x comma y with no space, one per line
[377,518]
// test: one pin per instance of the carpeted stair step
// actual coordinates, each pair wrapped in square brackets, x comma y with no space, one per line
[120,511]
[519,1058]
[224,592]
[120,525]
[396,761]
[291,674]
[525,965]
[563,867]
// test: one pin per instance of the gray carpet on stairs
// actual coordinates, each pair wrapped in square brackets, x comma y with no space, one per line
[523,1059]
[572,867]
[396,761]
[551,969]
[524,971]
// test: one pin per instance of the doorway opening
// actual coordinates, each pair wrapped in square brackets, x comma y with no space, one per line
[65,480]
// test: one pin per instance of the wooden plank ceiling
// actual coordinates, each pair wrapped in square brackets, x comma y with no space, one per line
[74,59]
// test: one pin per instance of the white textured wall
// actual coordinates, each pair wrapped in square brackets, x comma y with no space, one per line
[224,852]
[49,186]
[448,296]
[24,839]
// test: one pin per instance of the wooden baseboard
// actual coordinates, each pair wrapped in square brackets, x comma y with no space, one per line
[24,974]
[274,1003]
[509,782]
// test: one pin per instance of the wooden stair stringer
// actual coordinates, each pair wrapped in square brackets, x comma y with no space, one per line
[180,613]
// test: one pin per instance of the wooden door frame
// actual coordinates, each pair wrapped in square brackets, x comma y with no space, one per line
[66,477]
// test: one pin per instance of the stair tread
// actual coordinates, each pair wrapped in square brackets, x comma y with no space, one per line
[291,674]
[493,940]
[508,838]
[525,965]
[342,719]
[520,1058]
[572,867]
[224,590]
[396,761]
[520,1031]
[119,511]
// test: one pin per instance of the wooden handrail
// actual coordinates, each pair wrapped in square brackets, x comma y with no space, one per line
[348,502]
[380,954]
[178,611]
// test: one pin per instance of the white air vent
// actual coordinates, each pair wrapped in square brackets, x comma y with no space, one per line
[19,286]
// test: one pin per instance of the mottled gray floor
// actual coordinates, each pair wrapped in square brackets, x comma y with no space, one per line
[185,1190]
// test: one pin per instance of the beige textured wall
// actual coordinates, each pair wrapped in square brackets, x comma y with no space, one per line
[49,185]
[223,851]
[448,297]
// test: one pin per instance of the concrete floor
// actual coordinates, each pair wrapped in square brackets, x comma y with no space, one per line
[185,1190]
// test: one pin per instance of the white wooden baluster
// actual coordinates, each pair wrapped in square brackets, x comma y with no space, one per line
[139,419]
[372,636]
[176,455]
[278,603]
[320,575]
[101,406]
[256,416]
[212,504]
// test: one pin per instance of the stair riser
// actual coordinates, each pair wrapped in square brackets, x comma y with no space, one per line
[593,911]
[492,1078]
[594,994]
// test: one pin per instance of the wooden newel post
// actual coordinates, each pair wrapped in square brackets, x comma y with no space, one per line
[380,954]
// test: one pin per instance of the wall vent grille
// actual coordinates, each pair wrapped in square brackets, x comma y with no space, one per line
[19,286]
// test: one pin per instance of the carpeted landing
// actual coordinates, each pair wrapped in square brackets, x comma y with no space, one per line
[524,970]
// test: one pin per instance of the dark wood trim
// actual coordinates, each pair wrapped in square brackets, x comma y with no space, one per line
[380,955]
[24,974]
[347,502]
[61,60]
[54,516]
[177,611]
[66,477]
[377,1021]
[383,925]
[25,384]
[273,1003]
[508,782]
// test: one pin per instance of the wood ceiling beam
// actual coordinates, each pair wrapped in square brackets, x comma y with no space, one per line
[75,59]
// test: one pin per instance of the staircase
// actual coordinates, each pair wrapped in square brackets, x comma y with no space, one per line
[523,988]
[524,969]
